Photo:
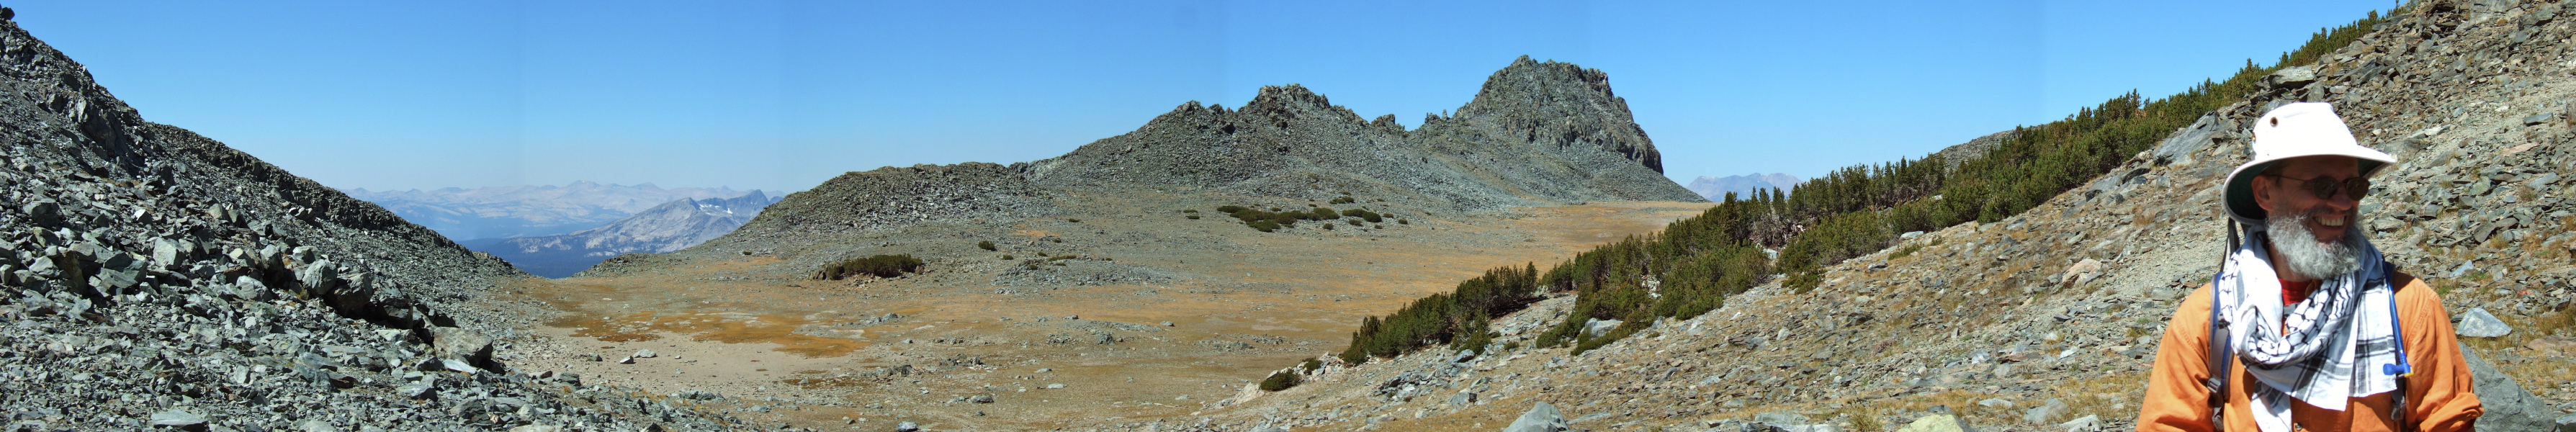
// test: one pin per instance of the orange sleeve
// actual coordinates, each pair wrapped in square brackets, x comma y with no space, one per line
[2441,394]
[2176,400]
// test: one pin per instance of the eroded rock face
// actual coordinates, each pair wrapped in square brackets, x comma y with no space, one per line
[156,277]
[1537,132]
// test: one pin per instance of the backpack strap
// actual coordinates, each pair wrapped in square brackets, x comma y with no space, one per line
[2221,350]
[2402,369]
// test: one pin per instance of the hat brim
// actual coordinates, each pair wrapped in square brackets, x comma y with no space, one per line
[2239,200]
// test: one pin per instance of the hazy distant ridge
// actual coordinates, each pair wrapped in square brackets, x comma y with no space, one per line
[526,211]
[1715,188]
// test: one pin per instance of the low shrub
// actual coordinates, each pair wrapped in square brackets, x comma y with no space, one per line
[1281,381]
[1365,215]
[885,266]
[985,245]
[1346,199]
[1230,209]
[1263,225]
[1403,222]
[1194,216]
[1310,365]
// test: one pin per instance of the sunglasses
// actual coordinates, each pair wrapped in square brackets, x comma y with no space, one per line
[2325,187]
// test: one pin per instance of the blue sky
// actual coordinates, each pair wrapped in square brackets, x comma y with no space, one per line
[782,95]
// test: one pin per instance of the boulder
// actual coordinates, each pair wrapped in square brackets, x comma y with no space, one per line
[2509,406]
[1936,423]
[2044,413]
[1596,327]
[2090,423]
[1540,418]
[462,345]
[2478,323]
[179,418]
[2291,77]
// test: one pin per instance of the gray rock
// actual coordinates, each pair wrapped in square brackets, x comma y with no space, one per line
[2539,118]
[2043,414]
[2509,407]
[1462,399]
[319,426]
[1596,327]
[2478,323]
[1937,423]
[461,344]
[2291,76]
[1540,418]
[1996,403]
[2567,423]
[646,354]
[176,417]
[2463,269]
[906,427]
[2089,423]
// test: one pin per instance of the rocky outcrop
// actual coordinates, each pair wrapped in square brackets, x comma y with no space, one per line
[1952,156]
[668,227]
[1537,133]
[888,198]
[154,276]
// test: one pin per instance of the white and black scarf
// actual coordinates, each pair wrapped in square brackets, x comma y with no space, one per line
[2325,350]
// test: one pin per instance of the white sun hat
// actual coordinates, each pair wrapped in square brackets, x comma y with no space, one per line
[2294,130]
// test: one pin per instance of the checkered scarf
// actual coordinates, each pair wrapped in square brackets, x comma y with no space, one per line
[2323,351]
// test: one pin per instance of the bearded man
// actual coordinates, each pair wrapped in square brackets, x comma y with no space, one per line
[2313,331]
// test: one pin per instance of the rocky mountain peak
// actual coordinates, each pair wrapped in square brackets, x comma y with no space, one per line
[1559,105]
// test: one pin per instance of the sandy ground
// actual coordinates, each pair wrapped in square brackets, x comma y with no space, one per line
[1239,303]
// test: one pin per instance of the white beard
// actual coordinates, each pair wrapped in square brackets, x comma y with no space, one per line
[2303,256]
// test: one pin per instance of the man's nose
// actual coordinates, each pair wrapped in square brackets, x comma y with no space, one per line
[2344,200]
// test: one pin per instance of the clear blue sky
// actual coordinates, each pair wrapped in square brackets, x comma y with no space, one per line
[785,94]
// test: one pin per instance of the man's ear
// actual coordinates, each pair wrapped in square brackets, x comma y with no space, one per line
[2263,193]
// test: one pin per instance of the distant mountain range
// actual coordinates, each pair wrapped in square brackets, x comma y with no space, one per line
[527,211]
[1715,188]
[671,226]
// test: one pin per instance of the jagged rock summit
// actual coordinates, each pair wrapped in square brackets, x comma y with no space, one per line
[1536,133]
[156,277]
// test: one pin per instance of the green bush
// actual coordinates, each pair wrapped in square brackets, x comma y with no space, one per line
[1400,221]
[1323,214]
[1354,222]
[1230,209]
[1344,200]
[1194,216]
[1365,215]
[1263,225]
[1310,365]
[880,266]
[1073,220]
[986,245]
[1189,210]
[1281,381]
[1442,317]
[1007,257]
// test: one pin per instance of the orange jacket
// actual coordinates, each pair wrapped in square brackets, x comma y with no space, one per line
[2440,393]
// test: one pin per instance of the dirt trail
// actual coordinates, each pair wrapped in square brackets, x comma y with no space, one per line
[812,353]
